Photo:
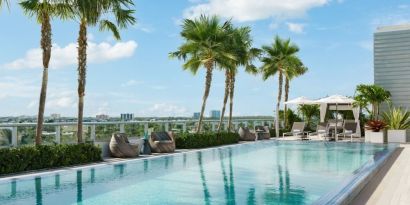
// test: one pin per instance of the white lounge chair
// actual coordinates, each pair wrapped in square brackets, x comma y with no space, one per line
[298,128]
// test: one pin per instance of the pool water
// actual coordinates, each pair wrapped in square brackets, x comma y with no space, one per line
[265,172]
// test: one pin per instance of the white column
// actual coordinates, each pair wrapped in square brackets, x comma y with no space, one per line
[14,136]
[92,135]
[166,126]
[184,127]
[122,128]
[146,127]
[323,109]
[58,134]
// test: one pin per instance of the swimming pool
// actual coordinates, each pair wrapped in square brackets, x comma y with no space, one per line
[264,172]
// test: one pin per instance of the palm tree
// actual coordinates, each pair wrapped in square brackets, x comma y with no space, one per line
[2,2]
[241,45]
[92,13]
[205,45]
[293,70]
[309,112]
[44,10]
[277,56]
[373,95]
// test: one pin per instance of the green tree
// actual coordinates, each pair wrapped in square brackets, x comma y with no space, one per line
[92,13]
[241,45]
[276,57]
[44,10]
[295,68]
[204,45]
[372,95]
[309,112]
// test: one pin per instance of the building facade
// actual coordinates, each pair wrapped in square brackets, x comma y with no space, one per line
[215,114]
[127,116]
[392,62]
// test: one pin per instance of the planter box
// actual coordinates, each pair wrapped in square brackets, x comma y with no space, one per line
[374,137]
[398,136]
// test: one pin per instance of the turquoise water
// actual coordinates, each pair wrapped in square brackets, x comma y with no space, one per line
[268,172]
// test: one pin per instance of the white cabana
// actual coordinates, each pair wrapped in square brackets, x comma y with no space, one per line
[338,102]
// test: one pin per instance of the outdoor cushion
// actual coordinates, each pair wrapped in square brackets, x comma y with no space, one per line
[161,136]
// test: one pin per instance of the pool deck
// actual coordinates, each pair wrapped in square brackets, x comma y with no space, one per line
[391,185]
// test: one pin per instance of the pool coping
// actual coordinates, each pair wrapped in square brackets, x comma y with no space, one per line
[351,186]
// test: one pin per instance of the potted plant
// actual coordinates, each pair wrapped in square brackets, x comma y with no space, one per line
[375,131]
[398,121]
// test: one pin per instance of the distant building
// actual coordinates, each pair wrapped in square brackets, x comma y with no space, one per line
[102,117]
[215,114]
[127,116]
[55,116]
[196,115]
[392,62]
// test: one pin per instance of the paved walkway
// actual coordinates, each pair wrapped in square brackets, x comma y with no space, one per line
[391,185]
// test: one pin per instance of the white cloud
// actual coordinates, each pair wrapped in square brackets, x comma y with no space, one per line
[64,56]
[246,10]
[131,83]
[295,27]
[164,110]
[159,87]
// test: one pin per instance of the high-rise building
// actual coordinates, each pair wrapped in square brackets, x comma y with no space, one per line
[102,117]
[127,116]
[215,114]
[196,115]
[392,62]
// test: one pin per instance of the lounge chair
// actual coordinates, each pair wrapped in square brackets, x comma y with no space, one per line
[322,130]
[298,128]
[162,142]
[262,132]
[120,146]
[246,135]
[349,129]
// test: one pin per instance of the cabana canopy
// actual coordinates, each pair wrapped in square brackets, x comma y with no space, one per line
[300,101]
[338,102]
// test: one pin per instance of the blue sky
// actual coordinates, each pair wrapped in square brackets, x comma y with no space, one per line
[135,75]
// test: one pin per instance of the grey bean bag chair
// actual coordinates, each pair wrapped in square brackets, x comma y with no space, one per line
[162,142]
[246,135]
[120,146]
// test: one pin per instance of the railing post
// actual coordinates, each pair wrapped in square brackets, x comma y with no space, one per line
[92,135]
[184,127]
[166,126]
[213,126]
[122,129]
[58,134]
[145,128]
[14,136]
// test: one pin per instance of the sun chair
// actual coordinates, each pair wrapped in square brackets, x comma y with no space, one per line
[322,130]
[298,128]
[162,142]
[349,129]
[120,146]
[262,132]
[246,135]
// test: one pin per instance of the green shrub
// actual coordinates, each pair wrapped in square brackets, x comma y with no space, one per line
[20,159]
[190,140]
[281,131]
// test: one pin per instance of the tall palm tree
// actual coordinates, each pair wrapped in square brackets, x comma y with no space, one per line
[277,56]
[44,10]
[246,54]
[204,45]
[309,112]
[373,95]
[294,69]
[92,13]
[2,2]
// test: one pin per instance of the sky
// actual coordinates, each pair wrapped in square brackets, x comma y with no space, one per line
[135,75]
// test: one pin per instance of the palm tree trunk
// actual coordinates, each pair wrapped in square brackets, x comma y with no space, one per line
[227,80]
[82,68]
[285,116]
[46,47]
[231,95]
[208,80]
[278,103]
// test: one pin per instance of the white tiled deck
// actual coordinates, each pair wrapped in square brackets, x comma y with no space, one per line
[391,185]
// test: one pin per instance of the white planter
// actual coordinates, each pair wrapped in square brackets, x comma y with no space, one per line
[398,136]
[374,137]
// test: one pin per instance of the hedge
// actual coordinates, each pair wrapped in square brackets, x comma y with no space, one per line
[26,158]
[191,141]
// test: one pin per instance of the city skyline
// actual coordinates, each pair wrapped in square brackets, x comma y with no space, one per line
[135,75]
